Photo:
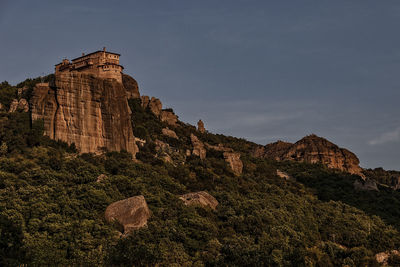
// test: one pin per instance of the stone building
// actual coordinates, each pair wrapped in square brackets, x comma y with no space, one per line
[101,64]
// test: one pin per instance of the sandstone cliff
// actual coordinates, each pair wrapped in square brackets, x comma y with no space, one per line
[92,113]
[312,149]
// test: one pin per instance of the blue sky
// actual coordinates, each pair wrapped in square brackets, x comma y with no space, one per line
[262,70]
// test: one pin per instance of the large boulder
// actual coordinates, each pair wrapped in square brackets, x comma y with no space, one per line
[312,149]
[201,198]
[169,133]
[131,213]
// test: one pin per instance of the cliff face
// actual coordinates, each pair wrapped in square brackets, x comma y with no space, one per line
[90,112]
[312,149]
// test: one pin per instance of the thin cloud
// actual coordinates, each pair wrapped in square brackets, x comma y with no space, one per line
[388,137]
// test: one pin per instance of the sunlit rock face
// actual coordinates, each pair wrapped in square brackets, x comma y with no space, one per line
[90,112]
[131,213]
[312,149]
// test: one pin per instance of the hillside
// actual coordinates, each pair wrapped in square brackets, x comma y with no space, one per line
[53,198]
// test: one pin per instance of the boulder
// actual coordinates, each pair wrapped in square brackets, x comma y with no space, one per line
[283,175]
[383,257]
[169,117]
[101,177]
[131,86]
[198,147]
[365,185]
[170,133]
[200,126]
[312,149]
[201,198]
[233,159]
[131,213]
[90,112]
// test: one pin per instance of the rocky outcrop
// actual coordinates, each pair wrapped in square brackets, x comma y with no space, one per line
[395,182]
[283,175]
[169,117]
[21,105]
[233,159]
[383,257]
[145,101]
[131,86]
[131,213]
[155,106]
[274,151]
[101,178]
[200,126]
[169,132]
[164,151]
[13,106]
[198,147]
[365,185]
[201,198]
[312,149]
[90,112]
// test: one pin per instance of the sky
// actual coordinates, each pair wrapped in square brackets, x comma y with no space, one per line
[261,70]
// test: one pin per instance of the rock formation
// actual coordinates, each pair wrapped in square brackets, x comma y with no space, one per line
[312,149]
[198,147]
[365,185]
[22,105]
[200,126]
[283,175]
[13,106]
[145,101]
[383,257]
[155,106]
[233,159]
[169,117]
[90,112]
[131,213]
[131,86]
[201,198]
[169,132]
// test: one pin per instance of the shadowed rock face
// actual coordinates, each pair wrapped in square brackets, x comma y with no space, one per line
[132,213]
[92,113]
[201,198]
[131,86]
[312,149]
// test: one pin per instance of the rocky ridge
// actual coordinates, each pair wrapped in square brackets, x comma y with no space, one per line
[312,149]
